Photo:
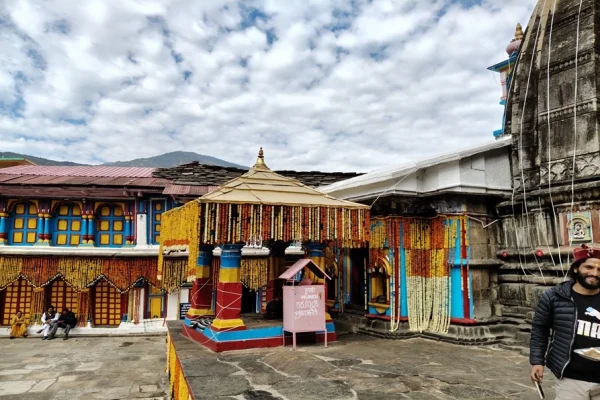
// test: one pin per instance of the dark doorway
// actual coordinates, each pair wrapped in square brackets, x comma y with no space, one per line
[359,259]
[248,300]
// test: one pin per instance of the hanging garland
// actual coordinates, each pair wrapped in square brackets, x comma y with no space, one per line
[180,232]
[175,272]
[83,299]
[254,272]
[37,306]
[236,223]
[429,244]
[78,272]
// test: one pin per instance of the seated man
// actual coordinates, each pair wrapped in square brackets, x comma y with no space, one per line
[66,320]
[48,318]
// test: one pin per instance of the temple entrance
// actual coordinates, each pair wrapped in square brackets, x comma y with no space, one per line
[249,301]
[155,302]
[17,296]
[358,259]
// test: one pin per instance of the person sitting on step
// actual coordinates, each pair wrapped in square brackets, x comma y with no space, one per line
[18,326]
[48,318]
[66,320]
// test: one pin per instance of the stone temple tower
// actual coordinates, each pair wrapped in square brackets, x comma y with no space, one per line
[552,115]
[551,119]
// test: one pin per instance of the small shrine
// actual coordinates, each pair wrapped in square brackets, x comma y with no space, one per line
[260,208]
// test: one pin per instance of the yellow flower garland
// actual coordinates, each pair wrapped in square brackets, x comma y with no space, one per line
[180,231]
[254,272]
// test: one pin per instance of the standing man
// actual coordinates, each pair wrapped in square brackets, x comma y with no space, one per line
[568,316]
[48,319]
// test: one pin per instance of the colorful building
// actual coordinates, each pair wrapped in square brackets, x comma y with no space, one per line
[83,238]
[431,260]
[87,238]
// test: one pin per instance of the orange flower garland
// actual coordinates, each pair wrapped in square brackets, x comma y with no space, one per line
[237,223]
[78,272]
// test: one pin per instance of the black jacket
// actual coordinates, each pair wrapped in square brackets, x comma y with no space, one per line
[555,319]
[68,319]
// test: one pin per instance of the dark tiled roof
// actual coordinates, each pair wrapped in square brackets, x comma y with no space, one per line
[212,175]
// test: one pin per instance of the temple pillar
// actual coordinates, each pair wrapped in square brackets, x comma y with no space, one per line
[141,225]
[91,229]
[201,292]
[316,252]
[84,229]
[3,228]
[229,290]
[128,230]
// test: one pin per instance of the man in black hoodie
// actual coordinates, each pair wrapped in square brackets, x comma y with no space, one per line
[66,320]
[568,317]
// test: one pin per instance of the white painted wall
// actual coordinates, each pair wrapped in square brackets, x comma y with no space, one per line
[173,306]
[141,230]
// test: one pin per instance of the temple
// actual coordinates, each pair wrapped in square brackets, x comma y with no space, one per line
[264,210]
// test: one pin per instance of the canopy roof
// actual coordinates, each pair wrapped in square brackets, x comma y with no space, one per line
[300,265]
[260,185]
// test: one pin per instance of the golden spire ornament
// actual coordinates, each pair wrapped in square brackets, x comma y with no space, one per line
[260,161]
[519,32]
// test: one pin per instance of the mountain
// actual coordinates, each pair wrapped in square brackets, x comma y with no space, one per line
[172,159]
[161,161]
[37,160]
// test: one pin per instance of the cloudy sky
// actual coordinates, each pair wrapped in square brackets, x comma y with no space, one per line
[346,85]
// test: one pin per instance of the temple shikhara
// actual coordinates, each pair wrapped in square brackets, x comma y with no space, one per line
[456,247]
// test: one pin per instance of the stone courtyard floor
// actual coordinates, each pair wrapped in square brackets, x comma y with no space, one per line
[360,367]
[83,368]
[355,367]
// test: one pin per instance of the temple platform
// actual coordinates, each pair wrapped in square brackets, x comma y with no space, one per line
[258,332]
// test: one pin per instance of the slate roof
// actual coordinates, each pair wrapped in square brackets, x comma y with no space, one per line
[212,175]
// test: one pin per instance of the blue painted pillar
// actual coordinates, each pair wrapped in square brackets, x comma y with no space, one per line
[84,224]
[47,235]
[40,227]
[3,231]
[229,290]
[91,229]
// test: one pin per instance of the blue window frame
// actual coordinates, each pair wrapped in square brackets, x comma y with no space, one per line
[23,225]
[157,207]
[67,225]
[110,226]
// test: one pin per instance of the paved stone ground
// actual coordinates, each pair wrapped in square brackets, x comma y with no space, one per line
[83,368]
[360,367]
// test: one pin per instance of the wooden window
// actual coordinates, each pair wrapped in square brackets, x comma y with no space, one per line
[67,225]
[24,224]
[107,304]
[63,296]
[17,296]
[156,210]
[110,226]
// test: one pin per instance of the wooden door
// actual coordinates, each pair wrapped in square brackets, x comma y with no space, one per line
[63,296]
[107,304]
[17,296]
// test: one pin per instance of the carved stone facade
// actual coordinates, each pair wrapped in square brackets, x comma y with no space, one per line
[555,156]
[551,121]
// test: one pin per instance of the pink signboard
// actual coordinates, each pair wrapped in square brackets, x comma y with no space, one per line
[304,310]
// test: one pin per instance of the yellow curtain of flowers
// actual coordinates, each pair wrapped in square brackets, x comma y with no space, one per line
[180,231]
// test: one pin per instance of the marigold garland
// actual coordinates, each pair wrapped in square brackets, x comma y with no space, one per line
[235,223]
[254,272]
[78,272]
[180,232]
[429,245]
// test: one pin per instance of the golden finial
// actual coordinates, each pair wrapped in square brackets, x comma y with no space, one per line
[519,32]
[260,162]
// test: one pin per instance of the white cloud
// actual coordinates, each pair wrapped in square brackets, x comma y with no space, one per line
[327,85]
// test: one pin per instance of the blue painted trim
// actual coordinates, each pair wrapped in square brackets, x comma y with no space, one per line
[498,132]
[403,284]
[249,334]
[456,305]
